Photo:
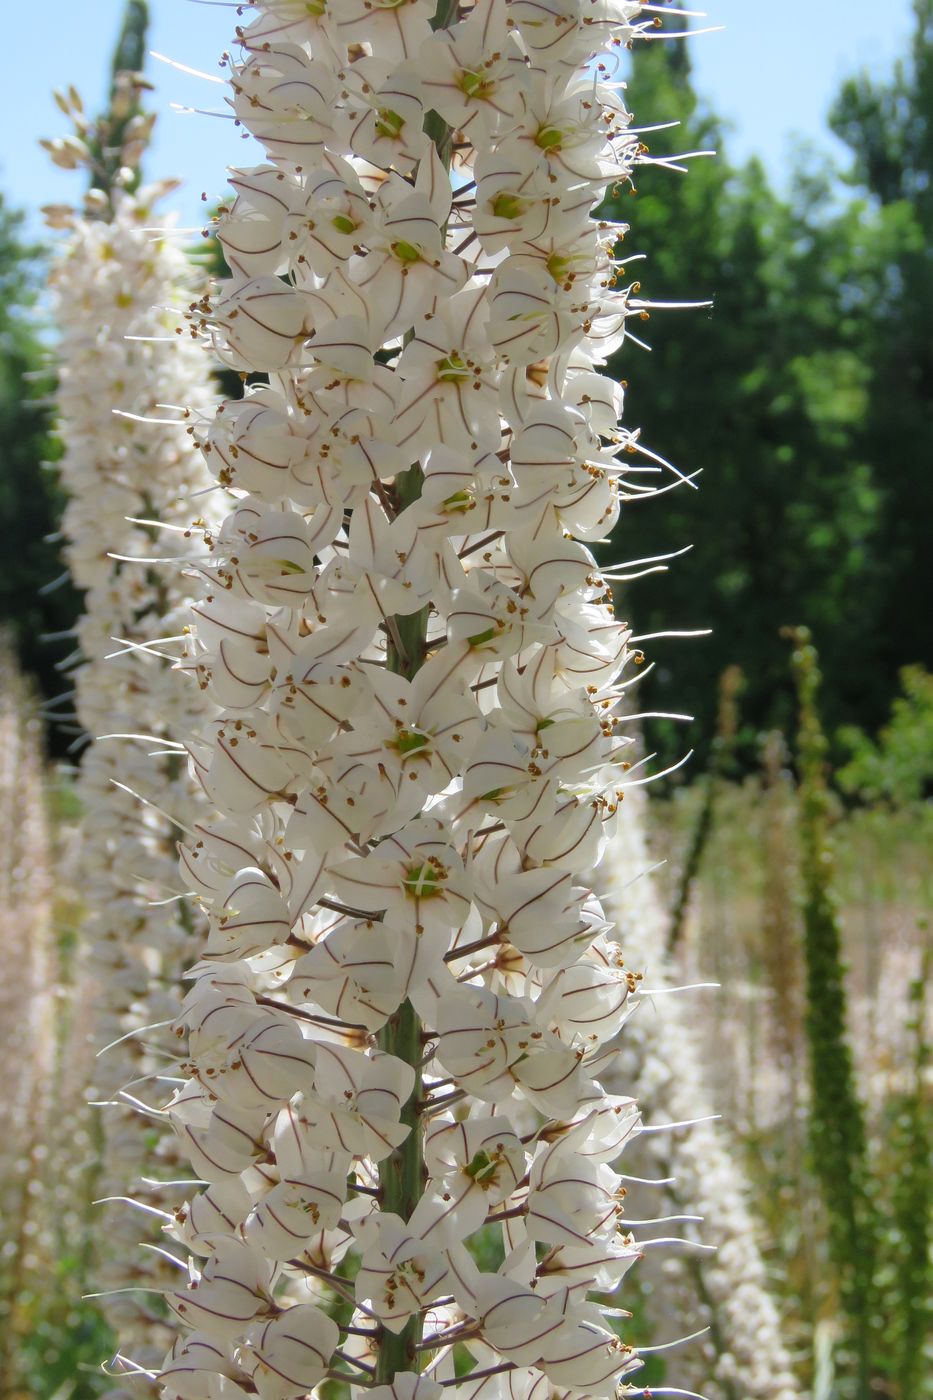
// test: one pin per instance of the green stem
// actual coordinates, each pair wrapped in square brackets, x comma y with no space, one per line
[730,686]
[401,1182]
[109,137]
[402,1174]
[405,651]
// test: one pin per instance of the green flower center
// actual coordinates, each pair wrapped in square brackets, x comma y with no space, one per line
[459,501]
[453,369]
[508,206]
[389,123]
[549,138]
[406,252]
[426,880]
[473,84]
[482,1168]
[408,742]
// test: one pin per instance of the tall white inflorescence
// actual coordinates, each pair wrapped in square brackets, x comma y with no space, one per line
[119,286]
[27,1009]
[397,1037]
[744,1355]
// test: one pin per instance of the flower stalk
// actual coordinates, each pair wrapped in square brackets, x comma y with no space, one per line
[391,1054]
[402,1176]
[837,1121]
[129,467]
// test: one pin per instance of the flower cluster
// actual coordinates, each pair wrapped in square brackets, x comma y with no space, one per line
[745,1354]
[119,287]
[395,1040]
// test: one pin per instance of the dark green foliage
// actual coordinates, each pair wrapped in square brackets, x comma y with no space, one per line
[889,129]
[887,125]
[805,395]
[30,502]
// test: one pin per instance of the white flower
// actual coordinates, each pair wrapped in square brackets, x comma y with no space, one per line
[231,1291]
[448,391]
[197,1368]
[250,765]
[394,31]
[335,218]
[220,1140]
[539,911]
[287,1356]
[516,202]
[472,72]
[249,916]
[253,230]
[472,1166]
[578,131]
[383,122]
[357,1102]
[287,101]
[571,1200]
[361,972]
[415,879]
[399,1274]
[420,730]
[559,33]
[590,998]
[210,1214]
[259,321]
[406,261]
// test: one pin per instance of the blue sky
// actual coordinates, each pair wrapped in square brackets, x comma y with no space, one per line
[771,72]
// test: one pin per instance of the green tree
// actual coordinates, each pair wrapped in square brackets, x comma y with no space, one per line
[888,127]
[30,503]
[764,391]
[897,768]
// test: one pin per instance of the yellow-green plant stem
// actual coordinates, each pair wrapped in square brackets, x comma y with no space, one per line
[837,1122]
